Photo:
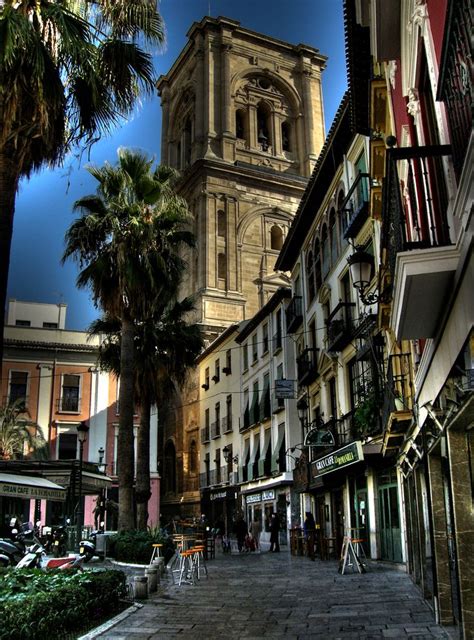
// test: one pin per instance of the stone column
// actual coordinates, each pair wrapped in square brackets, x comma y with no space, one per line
[441,552]
[226,88]
[253,133]
[199,105]
[211,271]
[277,142]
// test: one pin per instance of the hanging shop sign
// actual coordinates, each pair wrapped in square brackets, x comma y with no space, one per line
[344,457]
[285,389]
[255,497]
[300,474]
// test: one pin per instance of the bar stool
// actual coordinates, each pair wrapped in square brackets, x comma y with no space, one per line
[156,552]
[199,560]
[187,573]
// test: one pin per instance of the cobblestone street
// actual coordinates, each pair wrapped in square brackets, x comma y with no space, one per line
[280,596]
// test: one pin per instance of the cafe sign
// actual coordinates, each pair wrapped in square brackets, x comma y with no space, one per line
[339,459]
[255,497]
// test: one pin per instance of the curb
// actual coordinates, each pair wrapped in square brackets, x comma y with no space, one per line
[127,564]
[111,623]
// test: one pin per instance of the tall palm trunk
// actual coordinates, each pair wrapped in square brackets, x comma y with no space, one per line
[143,491]
[125,447]
[8,187]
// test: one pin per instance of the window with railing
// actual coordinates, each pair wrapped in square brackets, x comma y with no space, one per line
[70,393]
[398,395]
[306,364]
[245,424]
[18,388]
[339,326]
[355,206]
[265,337]
[294,313]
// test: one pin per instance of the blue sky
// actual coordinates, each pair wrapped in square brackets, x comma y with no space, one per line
[44,204]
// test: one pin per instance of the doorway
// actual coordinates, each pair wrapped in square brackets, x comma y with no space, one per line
[389,514]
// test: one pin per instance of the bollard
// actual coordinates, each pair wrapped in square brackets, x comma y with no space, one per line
[159,563]
[151,572]
[140,587]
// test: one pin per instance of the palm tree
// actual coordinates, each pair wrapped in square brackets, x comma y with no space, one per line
[69,71]
[19,436]
[126,242]
[165,349]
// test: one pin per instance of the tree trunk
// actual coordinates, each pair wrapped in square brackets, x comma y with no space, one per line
[143,492]
[125,446]
[8,187]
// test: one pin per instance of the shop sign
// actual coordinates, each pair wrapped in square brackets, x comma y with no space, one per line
[268,495]
[285,389]
[344,457]
[222,495]
[256,497]
[27,492]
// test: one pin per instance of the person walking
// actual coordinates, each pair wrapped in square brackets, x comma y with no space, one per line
[309,527]
[240,530]
[256,530]
[274,533]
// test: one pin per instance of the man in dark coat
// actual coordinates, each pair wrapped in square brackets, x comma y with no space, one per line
[274,533]
[240,530]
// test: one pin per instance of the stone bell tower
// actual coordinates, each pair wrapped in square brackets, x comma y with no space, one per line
[243,121]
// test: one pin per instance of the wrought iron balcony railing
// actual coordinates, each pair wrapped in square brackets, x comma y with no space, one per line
[398,396]
[205,435]
[215,429]
[294,314]
[307,367]
[340,326]
[69,404]
[355,207]
[455,83]
[414,201]
[226,424]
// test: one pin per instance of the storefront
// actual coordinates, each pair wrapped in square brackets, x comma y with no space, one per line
[259,505]
[220,507]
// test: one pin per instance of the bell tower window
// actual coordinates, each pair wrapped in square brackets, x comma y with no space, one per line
[263,126]
[276,238]
[222,271]
[221,223]
[285,136]
[241,124]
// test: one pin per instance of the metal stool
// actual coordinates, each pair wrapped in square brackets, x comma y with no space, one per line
[156,552]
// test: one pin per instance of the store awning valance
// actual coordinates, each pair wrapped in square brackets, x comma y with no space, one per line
[27,487]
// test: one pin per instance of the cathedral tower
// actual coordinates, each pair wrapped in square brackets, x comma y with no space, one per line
[243,121]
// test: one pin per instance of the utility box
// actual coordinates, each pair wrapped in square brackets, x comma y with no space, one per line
[102,543]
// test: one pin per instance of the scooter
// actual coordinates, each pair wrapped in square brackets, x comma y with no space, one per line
[34,559]
[59,541]
[15,548]
[87,548]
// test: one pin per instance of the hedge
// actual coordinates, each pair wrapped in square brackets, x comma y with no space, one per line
[48,606]
[136,546]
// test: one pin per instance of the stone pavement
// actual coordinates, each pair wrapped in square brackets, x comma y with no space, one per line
[275,595]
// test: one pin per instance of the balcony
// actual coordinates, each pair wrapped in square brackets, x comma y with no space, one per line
[277,341]
[226,424]
[454,85]
[245,424]
[265,405]
[340,326]
[205,435]
[355,207]
[294,314]
[397,409]
[307,366]
[69,404]
[421,260]
[215,429]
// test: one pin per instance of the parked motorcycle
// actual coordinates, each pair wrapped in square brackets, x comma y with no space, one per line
[13,549]
[87,548]
[59,541]
[34,558]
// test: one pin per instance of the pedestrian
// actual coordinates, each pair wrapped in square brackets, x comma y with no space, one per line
[256,530]
[309,527]
[274,533]
[240,530]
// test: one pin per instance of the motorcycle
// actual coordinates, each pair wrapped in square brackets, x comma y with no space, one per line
[60,539]
[87,548]
[34,559]
[12,550]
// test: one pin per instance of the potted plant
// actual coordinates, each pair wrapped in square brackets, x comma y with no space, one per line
[366,415]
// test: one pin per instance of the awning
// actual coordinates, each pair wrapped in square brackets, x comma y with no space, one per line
[91,482]
[27,487]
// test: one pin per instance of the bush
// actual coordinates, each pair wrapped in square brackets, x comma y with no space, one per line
[136,546]
[48,606]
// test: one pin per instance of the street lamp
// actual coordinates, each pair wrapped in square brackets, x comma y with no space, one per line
[302,407]
[227,453]
[82,431]
[361,265]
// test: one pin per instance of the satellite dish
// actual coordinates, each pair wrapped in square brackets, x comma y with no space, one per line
[319,438]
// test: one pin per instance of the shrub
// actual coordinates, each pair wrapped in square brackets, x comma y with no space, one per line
[136,546]
[48,606]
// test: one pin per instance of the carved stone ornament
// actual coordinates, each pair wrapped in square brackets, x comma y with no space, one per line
[418,17]
[392,72]
[413,106]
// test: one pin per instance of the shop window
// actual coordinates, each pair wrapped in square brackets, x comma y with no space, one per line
[286,136]
[276,238]
[221,223]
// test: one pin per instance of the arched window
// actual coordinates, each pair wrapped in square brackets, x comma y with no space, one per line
[310,275]
[221,223]
[187,137]
[170,468]
[333,235]
[276,237]
[222,270]
[193,457]
[317,264]
[325,252]
[286,136]
[241,124]
[263,126]
[343,216]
